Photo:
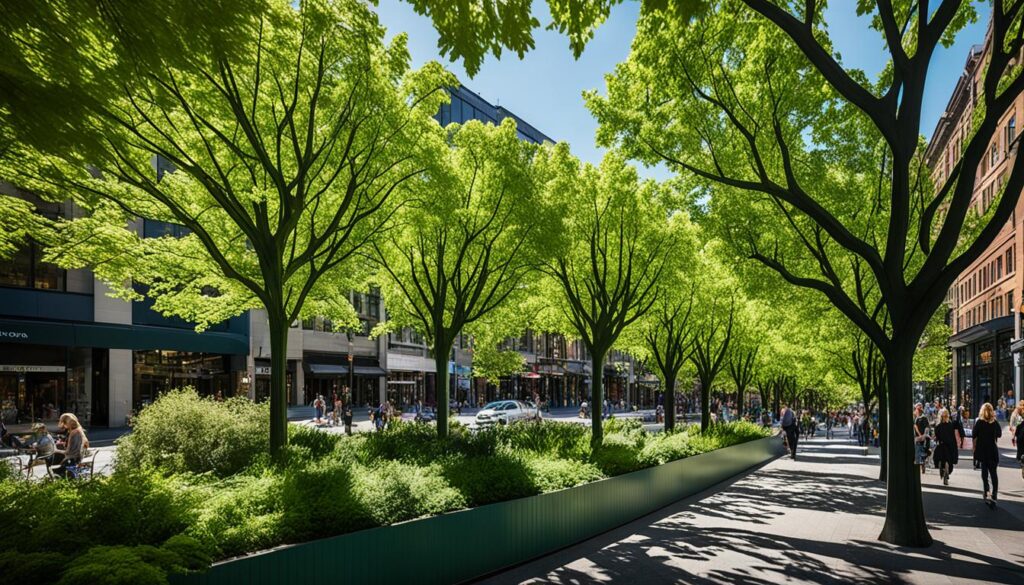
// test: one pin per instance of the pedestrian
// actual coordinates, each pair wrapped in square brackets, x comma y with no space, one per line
[958,424]
[829,422]
[659,414]
[920,437]
[865,429]
[1011,403]
[946,448]
[984,438]
[1017,431]
[318,407]
[347,414]
[336,412]
[789,426]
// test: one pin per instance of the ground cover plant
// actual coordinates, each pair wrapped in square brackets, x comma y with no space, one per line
[176,501]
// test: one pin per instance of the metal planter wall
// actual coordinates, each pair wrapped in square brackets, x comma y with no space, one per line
[463,545]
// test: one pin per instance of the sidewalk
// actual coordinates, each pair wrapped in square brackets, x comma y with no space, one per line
[814,520]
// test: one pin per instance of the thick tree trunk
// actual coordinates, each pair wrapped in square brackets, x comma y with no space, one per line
[441,386]
[670,402]
[705,404]
[278,329]
[739,403]
[596,399]
[904,510]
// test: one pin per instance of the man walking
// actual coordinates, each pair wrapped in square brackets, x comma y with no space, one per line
[789,426]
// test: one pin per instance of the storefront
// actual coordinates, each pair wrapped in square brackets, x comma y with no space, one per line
[159,370]
[327,374]
[984,363]
[405,388]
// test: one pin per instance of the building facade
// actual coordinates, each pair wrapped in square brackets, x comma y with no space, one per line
[984,302]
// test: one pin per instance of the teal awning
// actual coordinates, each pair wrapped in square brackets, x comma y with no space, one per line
[116,336]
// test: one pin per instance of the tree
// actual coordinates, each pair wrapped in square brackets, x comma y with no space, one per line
[289,153]
[742,360]
[466,243]
[663,338]
[60,60]
[759,106]
[710,347]
[607,256]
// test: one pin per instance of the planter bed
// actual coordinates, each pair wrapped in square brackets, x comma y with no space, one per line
[499,535]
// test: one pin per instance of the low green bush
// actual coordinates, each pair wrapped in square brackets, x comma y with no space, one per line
[182,432]
[193,483]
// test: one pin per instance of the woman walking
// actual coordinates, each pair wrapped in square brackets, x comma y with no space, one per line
[946,452]
[920,437]
[986,452]
[1017,431]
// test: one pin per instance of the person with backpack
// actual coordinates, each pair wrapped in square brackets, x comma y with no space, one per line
[790,427]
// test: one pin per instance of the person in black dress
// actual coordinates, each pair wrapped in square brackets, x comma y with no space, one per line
[986,432]
[946,450]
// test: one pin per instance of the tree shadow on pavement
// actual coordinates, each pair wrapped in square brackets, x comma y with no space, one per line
[744,544]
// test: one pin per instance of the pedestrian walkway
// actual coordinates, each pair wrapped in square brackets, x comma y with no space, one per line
[813,520]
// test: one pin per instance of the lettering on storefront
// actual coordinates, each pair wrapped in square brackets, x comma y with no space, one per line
[262,370]
[32,369]
[13,335]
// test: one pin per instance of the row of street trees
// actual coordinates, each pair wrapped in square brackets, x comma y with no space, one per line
[306,161]
[816,171]
[301,154]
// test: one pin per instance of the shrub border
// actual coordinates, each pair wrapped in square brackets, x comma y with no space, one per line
[467,544]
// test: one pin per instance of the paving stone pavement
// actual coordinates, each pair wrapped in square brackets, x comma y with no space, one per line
[813,520]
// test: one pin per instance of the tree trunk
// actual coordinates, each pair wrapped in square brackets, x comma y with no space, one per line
[278,329]
[441,390]
[904,511]
[705,404]
[670,402]
[883,431]
[739,403]
[596,399]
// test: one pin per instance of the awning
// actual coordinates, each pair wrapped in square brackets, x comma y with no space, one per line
[327,369]
[117,336]
[369,371]
[987,329]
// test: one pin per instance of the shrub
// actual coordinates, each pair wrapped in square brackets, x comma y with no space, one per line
[483,480]
[557,474]
[181,432]
[393,492]
[617,454]
[317,499]
[317,443]
[34,568]
[119,565]
[566,441]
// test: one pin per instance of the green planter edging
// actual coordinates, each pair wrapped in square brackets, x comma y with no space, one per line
[432,550]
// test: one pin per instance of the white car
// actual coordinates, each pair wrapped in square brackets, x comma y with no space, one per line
[503,412]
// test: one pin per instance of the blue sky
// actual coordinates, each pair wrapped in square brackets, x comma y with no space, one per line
[544,88]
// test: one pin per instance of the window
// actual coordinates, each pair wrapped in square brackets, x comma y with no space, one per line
[373,304]
[999,267]
[26,269]
[1011,131]
[1009,301]
[993,154]
[1009,261]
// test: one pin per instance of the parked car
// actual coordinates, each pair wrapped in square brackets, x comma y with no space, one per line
[504,412]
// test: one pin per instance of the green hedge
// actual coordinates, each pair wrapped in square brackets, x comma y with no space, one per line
[176,499]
